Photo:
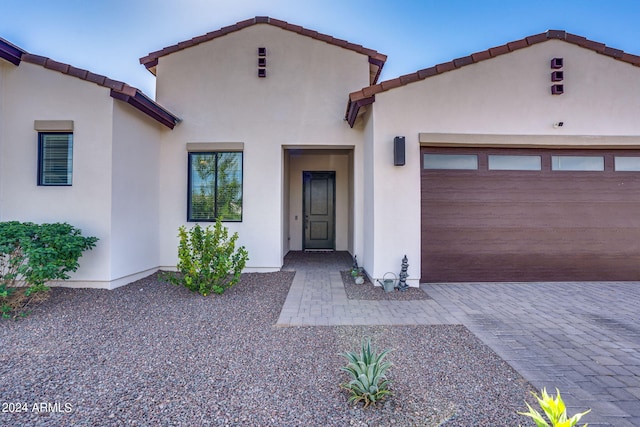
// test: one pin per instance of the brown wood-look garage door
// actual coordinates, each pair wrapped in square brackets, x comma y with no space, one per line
[550,224]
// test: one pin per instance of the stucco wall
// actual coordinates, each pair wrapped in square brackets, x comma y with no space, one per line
[215,89]
[366,254]
[30,92]
[135,193]
[508,95]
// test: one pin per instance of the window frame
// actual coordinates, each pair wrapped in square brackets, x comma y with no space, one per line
[41,160]
[215,215]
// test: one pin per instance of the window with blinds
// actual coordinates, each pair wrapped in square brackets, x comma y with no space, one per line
[55,158]
[215,186]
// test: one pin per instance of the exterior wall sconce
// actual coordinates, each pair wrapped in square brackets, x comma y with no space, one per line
[262,62]
[398,151]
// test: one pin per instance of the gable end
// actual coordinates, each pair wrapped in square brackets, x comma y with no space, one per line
[119,90]
[363,96]
[376,59]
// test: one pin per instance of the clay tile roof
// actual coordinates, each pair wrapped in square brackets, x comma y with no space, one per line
[356,98]
[376,59]
[119,90]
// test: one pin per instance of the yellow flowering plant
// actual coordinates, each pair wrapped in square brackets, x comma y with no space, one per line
[555,411]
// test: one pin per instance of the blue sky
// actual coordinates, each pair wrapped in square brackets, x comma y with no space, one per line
[109,36]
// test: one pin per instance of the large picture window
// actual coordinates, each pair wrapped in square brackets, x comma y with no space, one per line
[55,158]
[215,186]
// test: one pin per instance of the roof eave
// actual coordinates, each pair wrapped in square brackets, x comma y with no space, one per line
[353,108]
[118,89]
[10,52]
[149,107]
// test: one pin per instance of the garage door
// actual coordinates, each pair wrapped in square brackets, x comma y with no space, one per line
[530,215]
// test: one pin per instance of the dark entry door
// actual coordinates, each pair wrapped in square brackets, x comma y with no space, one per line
[319,210]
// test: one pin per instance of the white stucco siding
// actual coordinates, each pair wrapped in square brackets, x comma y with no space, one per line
[508,95]
[511,94]
[214,87]
[135,192]
[393,209]
[30,92]
[367,201]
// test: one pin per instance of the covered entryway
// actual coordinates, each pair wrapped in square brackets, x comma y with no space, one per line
[318,198]
[530,214]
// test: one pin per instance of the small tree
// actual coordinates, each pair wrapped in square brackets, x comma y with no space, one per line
[35,254]
[208,260]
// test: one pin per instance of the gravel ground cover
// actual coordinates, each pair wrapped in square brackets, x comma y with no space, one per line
[367,291]
[154,354]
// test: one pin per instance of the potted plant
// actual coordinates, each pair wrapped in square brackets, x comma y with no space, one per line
[357,272]
[357,275]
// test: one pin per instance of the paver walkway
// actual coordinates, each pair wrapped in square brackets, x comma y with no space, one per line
[583,338]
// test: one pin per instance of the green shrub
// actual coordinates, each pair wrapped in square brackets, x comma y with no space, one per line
[367,370]
[35,254]
[208,260]
[555,411]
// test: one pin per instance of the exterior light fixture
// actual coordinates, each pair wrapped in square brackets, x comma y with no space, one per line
[398,151]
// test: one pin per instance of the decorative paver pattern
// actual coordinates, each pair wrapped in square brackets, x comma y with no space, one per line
[581,337]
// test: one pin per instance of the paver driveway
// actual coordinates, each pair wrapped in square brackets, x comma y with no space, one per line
[583,338]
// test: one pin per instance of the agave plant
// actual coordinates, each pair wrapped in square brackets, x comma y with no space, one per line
[367,370]
[554,409]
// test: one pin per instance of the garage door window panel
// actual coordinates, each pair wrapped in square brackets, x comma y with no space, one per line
[450,161]
[515,163]
[577,163]
[627,164]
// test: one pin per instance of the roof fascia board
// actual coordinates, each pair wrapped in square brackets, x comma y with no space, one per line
[10,52]
[147,106]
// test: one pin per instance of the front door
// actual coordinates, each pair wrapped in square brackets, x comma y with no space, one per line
[319,210]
